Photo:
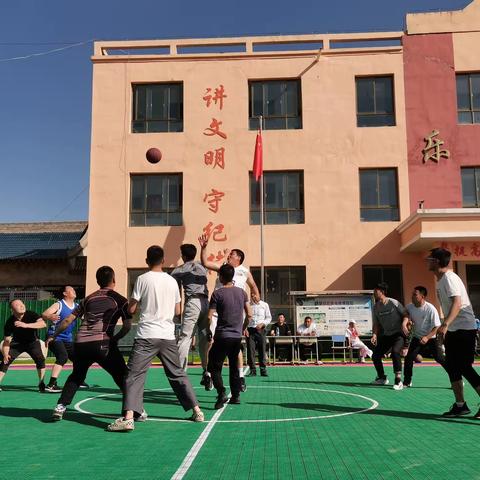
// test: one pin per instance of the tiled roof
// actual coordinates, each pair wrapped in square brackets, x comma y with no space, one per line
[17,243]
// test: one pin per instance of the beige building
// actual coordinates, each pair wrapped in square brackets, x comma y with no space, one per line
[335,152]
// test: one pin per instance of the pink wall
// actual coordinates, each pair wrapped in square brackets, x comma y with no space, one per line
[431,103]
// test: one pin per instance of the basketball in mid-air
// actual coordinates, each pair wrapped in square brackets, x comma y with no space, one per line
[154,155]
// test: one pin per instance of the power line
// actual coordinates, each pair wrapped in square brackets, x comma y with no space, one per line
[48,52]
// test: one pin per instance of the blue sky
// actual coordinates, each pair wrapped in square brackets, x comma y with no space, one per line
[45,101]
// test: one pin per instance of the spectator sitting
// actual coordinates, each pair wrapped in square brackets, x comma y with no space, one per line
[308,329]
[354,342]
[281,329]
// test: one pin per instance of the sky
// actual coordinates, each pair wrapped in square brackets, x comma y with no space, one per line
[45,100]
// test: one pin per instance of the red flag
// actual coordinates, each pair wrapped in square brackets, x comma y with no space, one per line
[258,158]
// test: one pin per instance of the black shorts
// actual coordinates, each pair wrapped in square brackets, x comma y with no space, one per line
[34,349]
[63,351]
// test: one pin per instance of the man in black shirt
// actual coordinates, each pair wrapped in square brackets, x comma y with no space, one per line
[230,303]
[21,335]
[281,329]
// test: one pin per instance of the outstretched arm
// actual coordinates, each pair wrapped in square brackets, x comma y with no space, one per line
[203,241]
[255,294]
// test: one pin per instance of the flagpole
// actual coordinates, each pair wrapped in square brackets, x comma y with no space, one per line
[262,262]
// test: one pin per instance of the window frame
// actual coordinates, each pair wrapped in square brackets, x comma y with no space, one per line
[287,308]
[169,120]
[375,113]
[476,173]
[471,111]
[399,267]
[289,211]
[145,211]
[378,206]
[286,117]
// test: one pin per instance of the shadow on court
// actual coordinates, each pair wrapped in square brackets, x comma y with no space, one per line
[325,408]
[45,416]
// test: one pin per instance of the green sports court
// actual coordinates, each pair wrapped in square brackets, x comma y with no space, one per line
[324,422]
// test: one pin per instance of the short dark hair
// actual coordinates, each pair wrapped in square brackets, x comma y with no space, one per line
[105,276]
[382,286]
[155,255]
[421,289]
[240,254]
[308,316]
[442,255]
[189,251]
[281,313]
[226,273]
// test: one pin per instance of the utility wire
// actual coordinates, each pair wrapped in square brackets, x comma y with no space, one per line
[48,52]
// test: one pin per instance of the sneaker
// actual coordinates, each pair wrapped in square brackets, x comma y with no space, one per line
[264,373]
[398,385]
[202,381]
[41,387]
[319,362]
[380,381]
[197,417]
[243,385]
[121,425]
[221,401]
[53,388]
[208,383]
[141,418]
[234,400]
[84,385]
[407,384]
[456,411]
[253,373]
[58,412]
[477,415]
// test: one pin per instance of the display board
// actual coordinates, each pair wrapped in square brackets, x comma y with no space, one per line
[331,311]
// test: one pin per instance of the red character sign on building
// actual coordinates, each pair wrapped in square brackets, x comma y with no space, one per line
[459,251]
[218,96]
[215,158]
[213,199]
[216,232]
[475,250]
[214,129]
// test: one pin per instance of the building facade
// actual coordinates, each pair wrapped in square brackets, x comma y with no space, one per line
[347,162]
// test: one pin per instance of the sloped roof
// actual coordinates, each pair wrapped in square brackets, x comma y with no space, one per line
[39,241]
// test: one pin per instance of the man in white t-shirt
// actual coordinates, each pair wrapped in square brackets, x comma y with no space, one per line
[241,279]
[158,295]
[425,322]
[458,330]
[307,329]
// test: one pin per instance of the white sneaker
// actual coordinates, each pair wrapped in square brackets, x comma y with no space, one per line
[408,385]
[121,425]
[142,417]
[398,385]
[380,381]
[58,412]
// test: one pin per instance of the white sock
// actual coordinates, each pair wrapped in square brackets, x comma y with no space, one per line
[240,371]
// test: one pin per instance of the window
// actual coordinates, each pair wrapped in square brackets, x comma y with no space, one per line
[283,198]
[389,274]
[278,101]
[375,105]
[278,282]
[157,107]
[378,195]
[468,97]
[156,200]
[471,187]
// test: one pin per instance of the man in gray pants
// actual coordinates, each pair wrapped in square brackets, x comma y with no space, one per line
[192,276]
[159,299]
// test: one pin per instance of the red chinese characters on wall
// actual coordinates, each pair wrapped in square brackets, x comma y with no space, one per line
[464,250]
[214,97]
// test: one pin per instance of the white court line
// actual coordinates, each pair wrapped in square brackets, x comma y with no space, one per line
[192,454]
